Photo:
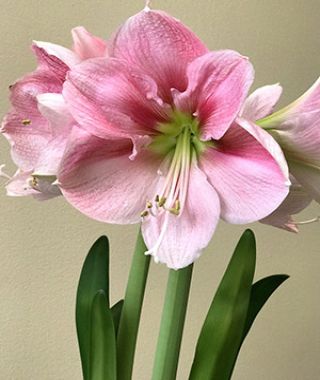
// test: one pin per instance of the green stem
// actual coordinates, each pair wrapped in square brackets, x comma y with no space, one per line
[172,323]
[131,312]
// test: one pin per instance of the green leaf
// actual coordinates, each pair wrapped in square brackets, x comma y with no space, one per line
[103,365]
[222,331]
[94,276]
[260,293]
[131,311]
[116,314]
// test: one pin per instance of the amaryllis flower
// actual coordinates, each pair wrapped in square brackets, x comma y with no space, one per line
[297,130]
[38,125]
[157,139]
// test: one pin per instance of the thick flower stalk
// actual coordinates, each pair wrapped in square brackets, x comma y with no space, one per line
[158,139]
[297,130]
[39,124]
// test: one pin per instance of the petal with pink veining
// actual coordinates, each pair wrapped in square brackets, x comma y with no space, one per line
[24,92]
[308,175]
[218,84]
[261,102]
[161,46]
[20,185]
[51,55]
[108,98]
[99,179]
[86,45]
[297,200]
[178,240]
[27,139]
[54,109]
[248,179]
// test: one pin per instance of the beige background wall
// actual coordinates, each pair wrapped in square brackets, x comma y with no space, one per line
[43,245]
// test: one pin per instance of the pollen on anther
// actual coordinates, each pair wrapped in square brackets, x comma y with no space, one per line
[144,214]
[162,201]
[26,122]
[149,204]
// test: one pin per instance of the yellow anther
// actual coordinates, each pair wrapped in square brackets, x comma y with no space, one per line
[149,204]
[34,182]
[174,211]
[162,201]
[26,122]
[157,198]
[144,214]
[177,205]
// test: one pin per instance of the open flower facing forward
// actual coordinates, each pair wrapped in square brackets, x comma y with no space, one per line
[39,124]
[297,130]
[157,139]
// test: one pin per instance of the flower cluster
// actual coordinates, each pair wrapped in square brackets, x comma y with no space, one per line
[151,126]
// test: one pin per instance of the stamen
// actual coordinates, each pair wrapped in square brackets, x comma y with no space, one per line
[162,201]
[34,182]
[147,6]
[149,204]
[26,122]
[313,220]
[144,214]
[3,174]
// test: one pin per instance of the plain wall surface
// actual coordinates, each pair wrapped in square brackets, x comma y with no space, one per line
[43,245]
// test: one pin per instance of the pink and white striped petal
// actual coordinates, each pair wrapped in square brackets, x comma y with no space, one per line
[161,46]
[179,240]
[107,98]
[86,45]
[250,181]
[218,83]
[297,200]
[261,102]
[99,179]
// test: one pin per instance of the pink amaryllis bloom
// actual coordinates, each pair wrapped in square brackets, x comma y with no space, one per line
[297,130]
[38,125]
[157,139]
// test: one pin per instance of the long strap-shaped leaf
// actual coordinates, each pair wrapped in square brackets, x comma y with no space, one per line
[222,331]
[94,276]
[116,311]
[103,365]
[261,291]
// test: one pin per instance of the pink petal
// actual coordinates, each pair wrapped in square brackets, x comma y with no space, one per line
[24,92]
[52,55]
[297,127]
[248,179]
[161,46]
[20,185]
[99,179]
[54,108]
[308,175]
[297,200]
[185,236]
[218,84]
[86,45]
[27,140]
[261,102]
[107,98]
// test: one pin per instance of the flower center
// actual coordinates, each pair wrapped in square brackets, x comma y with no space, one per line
[179,142]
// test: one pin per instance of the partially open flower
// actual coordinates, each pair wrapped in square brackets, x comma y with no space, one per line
[39,124]
[297,130]
[157,140]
